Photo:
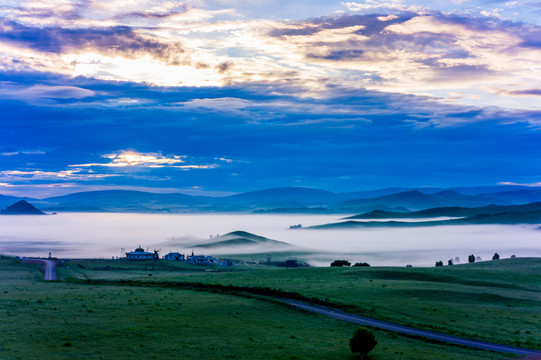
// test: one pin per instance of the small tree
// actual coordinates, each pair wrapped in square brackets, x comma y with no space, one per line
[471,258]
[340,263]
[439,263]
[362,342]
[496,256]
[450,262]
[362,264]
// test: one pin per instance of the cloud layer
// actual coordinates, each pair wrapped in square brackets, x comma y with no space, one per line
[225,96]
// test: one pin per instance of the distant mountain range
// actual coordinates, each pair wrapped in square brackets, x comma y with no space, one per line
[287,200]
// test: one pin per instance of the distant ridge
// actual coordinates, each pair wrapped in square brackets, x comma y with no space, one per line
[453,211]
[286,200]
[505,218]
[21,208]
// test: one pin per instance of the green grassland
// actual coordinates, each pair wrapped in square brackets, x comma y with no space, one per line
[68,320]
[497,301]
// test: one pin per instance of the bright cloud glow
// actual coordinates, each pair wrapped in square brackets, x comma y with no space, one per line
[131,158]
[145,160]
[266,94]
[419,52]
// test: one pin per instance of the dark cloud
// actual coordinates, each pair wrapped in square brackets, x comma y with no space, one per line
[119,40]
[371,140]
[372,25]
[151,15]
[535,92]
[339,55]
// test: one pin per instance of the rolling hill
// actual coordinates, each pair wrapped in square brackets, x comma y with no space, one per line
[505,218]
[451,211]
[244,241]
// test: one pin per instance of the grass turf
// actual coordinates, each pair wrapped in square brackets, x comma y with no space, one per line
[61,320]
[496,301]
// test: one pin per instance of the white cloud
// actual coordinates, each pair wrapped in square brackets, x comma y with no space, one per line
[374,4]
[23,152]
[73,174]
[535,184]
[133,159]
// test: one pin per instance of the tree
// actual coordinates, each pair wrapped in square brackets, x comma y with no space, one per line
[439,263]
[362,264]
[340,263]
[362,342]
[496,256]
[450,262]
[471,258]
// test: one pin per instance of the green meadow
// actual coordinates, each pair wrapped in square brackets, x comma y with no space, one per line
[70,319]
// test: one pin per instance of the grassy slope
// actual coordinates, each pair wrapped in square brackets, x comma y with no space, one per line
[69,321]
[497,301]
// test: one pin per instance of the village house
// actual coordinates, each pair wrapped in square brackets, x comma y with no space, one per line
[201,259]
[227,262]
[175,256]
[141,254]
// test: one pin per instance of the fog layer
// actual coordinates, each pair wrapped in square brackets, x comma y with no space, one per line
[100,235]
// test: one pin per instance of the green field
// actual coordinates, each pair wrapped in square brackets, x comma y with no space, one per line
[66,320]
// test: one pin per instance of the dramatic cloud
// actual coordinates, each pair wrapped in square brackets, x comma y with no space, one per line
[231,96]
[390,46]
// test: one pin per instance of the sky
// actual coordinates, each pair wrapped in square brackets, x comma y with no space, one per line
[215,97]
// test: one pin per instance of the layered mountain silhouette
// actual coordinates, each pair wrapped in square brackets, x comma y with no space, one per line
[21,208]
[288,200]
[453,211]
[509,215]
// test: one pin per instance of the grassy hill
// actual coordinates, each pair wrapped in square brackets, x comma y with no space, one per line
[507,218]
[451,211]
[243,241]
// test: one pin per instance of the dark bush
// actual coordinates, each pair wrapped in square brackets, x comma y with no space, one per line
[471,258]
[450,262]
[439,263]
[496,256]
[361,264]
[362,342]
[340,263]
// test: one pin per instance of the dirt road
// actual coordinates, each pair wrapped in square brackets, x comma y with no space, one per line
[49,267]
[337,314]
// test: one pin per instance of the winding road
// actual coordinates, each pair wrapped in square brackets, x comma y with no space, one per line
[50,275]
[49,267]
[337,314]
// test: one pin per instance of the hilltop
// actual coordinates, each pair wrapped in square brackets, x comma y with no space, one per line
[21,208]
[244,241]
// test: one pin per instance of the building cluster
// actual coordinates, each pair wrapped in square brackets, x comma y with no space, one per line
[141,254]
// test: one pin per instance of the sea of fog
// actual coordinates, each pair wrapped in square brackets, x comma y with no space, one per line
[108,235]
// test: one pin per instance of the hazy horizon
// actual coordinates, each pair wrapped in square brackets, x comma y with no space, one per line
[103,235]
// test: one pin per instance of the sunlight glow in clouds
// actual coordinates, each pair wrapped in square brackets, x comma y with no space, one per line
[331,94]
[418,51]
[144,160]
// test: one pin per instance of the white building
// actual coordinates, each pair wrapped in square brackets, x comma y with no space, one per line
[141,254]
[201,259]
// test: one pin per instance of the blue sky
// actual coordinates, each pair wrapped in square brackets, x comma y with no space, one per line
[216,97]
